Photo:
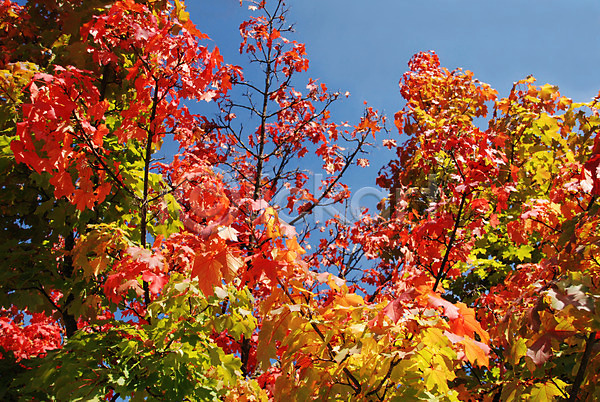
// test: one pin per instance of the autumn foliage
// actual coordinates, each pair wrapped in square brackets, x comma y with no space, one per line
[132,275]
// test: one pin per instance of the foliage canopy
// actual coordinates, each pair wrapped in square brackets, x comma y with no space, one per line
[130,276]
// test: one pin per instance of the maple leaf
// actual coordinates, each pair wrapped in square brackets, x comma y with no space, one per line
[516,233]
[476,352]
[293,250]
[215,261]
[389,144]
[548,390]
[147,257]
[270,219]
[573,295]
[541,350]
[63,184]
[331,280]
[362,162]
[462,318]
[228,233]
[438,378]
[590,174]
[464,207]
[27,340]
[156,281]
[450,310]
[395,308]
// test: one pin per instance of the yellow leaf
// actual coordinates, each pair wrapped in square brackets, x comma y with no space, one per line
[545,392]
[436,377]
[518,349]
[435,336]
[547,91]
[546,127]
[542,175]
[271,221]
[181,14]
[529,80]
[351,299]
[332,283]
[90,253]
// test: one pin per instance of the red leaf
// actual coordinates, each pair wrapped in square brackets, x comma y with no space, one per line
[156,282]
[450,310]
[541,350]
[395,308]
[515,231]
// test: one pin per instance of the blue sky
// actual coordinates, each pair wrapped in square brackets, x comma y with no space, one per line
[364,46]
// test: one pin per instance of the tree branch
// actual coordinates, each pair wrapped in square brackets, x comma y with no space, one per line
[441,274]
[147,159]
[585,359]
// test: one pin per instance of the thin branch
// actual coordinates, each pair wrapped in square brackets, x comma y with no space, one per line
[334,182]
[115,178]
[263,123]
[393,364]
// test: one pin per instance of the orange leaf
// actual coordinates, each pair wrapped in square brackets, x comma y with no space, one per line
[207,268]
[467,324]
[515,232]
[494,221]
[215,262]
[350,300]
[476,352]
[461,318]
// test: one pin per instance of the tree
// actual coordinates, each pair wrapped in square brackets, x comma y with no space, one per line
[504,220]
[131,277]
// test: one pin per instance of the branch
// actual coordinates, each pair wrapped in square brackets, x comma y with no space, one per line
[585,359]
[441,274]
[393,364]
[263,118]
[94,148]
[7,93]
[380,287]
[147,159]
